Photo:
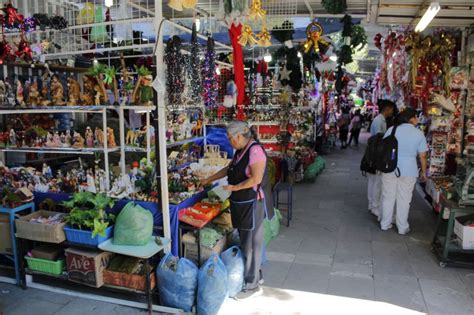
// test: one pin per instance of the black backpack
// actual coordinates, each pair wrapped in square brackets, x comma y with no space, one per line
[372,151]
[388,155]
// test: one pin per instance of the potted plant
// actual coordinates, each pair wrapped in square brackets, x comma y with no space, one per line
[88,221]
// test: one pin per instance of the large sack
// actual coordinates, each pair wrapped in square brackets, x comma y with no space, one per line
[234,263]
[212,286]
[134,226]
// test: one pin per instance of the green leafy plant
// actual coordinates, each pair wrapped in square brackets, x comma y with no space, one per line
[142,71]
[334,6]
[88,212]
[98,72]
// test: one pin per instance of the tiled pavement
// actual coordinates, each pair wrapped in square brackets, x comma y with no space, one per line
[332,260]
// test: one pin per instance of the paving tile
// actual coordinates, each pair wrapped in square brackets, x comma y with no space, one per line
[447,297]
[324,246]
[425,264]
[123,310]
[352,270]
[275,273]
[353,252]
[309,278]
[29,305]
[403,291]
[313,259]
[354,232]
[353,287]
[85,306]
[378,235]
[50,297]
[391,258]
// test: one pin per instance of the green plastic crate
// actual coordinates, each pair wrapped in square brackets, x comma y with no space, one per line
[47,266]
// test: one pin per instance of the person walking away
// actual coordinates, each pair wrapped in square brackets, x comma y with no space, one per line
[355,127]
[343,124]
[398,186]
[250,201]
[374,186]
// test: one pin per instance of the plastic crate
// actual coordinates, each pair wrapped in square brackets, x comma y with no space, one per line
[47,266]
[85,237]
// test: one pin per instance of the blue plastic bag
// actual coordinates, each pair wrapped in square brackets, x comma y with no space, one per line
[212,286]
[177,282]
[234,263]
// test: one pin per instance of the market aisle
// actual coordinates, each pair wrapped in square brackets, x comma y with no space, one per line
[332,259]
[335,248]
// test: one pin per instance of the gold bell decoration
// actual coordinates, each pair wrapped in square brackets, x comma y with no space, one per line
[313,38]
[189,4]
[247,38]
[264,37]
[255,11]
[176,5]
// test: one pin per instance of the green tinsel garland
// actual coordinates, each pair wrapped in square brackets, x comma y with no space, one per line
[358,38]
[334,6]
[345,55]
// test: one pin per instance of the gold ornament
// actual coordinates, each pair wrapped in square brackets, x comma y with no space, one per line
[176,5]
[189,4]
[313,37]
[256,12]
[247,38]
[264,37]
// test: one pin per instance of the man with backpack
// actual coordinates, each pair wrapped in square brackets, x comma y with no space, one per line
[402,144]
[368,164]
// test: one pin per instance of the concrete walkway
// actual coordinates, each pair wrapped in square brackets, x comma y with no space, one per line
[333,259]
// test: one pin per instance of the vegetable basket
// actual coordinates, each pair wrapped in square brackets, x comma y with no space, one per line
[47,266]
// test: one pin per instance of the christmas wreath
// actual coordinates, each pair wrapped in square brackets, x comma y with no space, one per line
[334,6]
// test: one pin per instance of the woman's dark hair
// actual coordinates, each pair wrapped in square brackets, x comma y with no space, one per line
[384,104]
[405,115]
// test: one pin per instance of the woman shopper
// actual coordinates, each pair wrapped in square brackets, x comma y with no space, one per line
[398,186]
[250,200]
[343,124]
[355,127]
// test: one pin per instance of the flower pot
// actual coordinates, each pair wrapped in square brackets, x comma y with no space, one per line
[85,237]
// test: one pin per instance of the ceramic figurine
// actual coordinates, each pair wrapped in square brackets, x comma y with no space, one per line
[91,187]
[3,90]
[34,95]
[197,129]
[57,139]
[45,90]
[63,139]
[74,91]
[20,99]
[87,96]
[49,140]
[68,138]
[131,138]
[89,137]
[99,98]
[99,136]
[78,141]
[111,138]
[57,91]
[12,138]
[143,92]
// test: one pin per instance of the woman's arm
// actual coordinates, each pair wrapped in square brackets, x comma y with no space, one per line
[256,170]
[423,162]
[221,174]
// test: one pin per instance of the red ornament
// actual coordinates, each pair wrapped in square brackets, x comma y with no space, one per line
[5,51]
[378,41]
[24,50]
[12,16]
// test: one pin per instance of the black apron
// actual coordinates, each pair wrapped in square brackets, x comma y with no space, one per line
[243,202]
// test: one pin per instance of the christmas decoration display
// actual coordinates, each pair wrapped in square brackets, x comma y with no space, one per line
[314,41]
[256,12]
[247,38]
[209,76]
[174,79]
[284,33]
[264,37]
[110,78]
[194,66]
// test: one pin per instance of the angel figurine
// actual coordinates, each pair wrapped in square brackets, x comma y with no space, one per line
[57,91]
[74,90]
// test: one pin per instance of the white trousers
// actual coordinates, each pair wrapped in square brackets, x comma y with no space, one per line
[374,192]
[399,191]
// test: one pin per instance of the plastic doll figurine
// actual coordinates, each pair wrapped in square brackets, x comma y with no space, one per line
[89,137]
[57,91]
[74,91]
[20,99]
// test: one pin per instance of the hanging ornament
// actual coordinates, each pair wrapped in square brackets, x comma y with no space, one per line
[12,18]
[24,50]
[5,51]
[285,73]
[313,38]
[378,41]
[334,6]
[256,12]
[176,5]
[45,45]
[42,20]
[247,38]
[29,24]
[189,4]
[58,22]
[264,37]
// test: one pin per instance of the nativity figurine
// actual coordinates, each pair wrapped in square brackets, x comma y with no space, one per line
[74,91]
[57,91]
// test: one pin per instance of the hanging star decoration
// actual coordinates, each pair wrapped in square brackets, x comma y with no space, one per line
[247,38]
[264,37]
[285,73]
[256,12]
[314,40]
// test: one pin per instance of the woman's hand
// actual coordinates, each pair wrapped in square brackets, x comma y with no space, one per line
[205,182]
[230,188]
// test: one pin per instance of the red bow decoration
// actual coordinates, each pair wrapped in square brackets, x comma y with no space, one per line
[5,51]
[24,49]
[12,16]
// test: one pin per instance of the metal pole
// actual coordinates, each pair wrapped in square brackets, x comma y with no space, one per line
[106,147]
[148,138]
[122,139]
[161,112]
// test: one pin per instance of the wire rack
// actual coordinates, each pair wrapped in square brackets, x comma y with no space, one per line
[92,28]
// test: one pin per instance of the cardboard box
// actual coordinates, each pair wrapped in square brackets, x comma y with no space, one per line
[87,267]
[134,282]
[191,249]
[5,235]
[48,252]
[50,233]
[464,232]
